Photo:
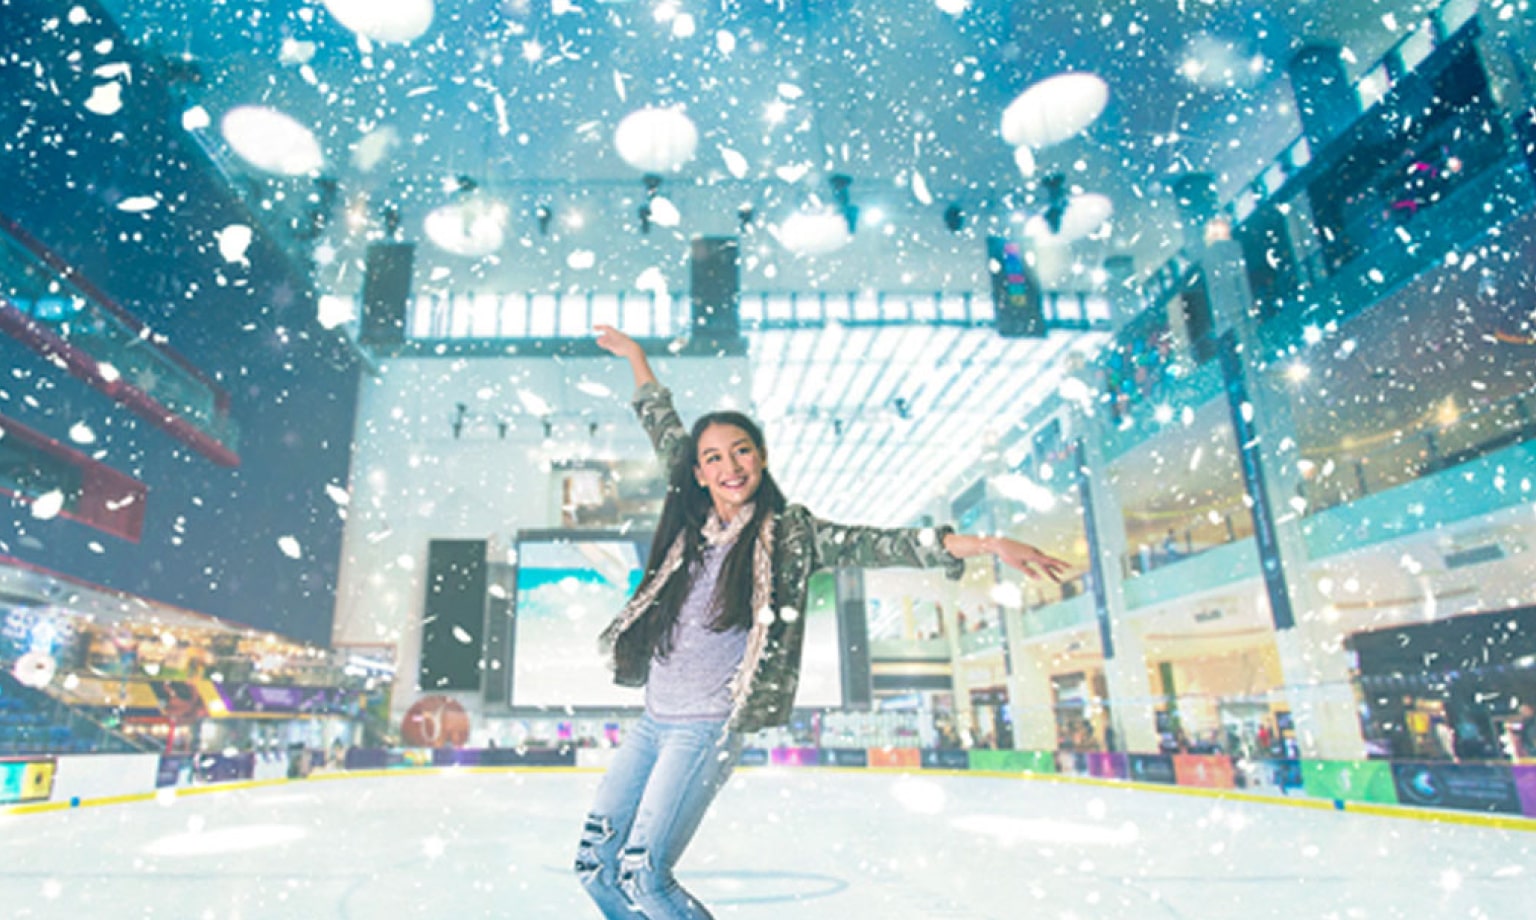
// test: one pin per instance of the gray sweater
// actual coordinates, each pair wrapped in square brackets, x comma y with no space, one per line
[693,683]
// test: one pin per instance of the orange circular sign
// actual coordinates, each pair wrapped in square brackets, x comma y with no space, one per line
[435,721]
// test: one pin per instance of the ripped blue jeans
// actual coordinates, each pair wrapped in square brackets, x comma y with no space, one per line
[647,808]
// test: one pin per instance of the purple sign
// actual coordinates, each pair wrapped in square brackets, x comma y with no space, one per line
[1525,781]
[796,757]
[1106,765]
[267,698]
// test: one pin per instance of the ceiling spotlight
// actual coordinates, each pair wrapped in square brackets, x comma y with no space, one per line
[954,217]
[840,185]
[1055,188]
[1068,219]
[646,212]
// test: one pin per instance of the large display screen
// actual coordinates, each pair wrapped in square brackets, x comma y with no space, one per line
[568,588]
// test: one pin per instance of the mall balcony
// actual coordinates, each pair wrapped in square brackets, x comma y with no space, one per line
[1324,398]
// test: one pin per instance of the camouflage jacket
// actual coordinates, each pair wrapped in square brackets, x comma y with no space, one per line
[803,544]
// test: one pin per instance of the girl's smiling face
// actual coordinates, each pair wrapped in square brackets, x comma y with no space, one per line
[730,465]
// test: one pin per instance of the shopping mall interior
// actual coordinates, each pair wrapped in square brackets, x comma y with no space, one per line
[315,470]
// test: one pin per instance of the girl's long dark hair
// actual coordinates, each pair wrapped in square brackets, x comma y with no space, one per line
[685,511]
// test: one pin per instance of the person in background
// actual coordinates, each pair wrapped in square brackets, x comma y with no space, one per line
[714,634]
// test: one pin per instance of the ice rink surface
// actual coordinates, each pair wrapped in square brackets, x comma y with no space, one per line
[811,844]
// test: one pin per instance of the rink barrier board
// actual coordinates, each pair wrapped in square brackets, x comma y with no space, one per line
[1477,794]
[1497,822]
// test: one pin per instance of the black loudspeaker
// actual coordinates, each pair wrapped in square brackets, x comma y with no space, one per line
[386,290]
[716,291]
[453,616]
[853,639]
[1016,296]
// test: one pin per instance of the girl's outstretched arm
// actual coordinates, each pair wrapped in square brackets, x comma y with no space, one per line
[1012,553]
[612,340]
[653,404]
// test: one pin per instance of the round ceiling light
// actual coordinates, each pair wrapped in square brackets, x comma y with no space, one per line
[397,21]
[475,226]
[656,140]
[34,669]
[271,141]
[1054,109]
[814,233]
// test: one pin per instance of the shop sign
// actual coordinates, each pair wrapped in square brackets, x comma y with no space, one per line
[1468,787]
[1152,768]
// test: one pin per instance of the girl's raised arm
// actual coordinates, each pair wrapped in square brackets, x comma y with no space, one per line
[612,340]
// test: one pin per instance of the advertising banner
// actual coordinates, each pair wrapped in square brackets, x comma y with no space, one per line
[795,757]
[170,770]
[1107,765]
[895,757]
[219,768]
[1096,580]
[366,759]
[1208,771]
[1071,763]
[1464,786]
[1525,781]
[1349,780]
[263,698]
[1270,774]
[946,759]
[564,756]
[1152,768]
[844,757]
[1253,480]
[25,781]
[1014,761]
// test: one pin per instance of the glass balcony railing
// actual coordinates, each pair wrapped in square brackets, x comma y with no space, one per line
[1373,463]
[984,636]
[47,305]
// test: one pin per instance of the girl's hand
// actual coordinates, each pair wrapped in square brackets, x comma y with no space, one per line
[1028,559]
[616,342]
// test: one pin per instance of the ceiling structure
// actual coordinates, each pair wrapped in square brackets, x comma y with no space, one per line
[877,423]
[888,115]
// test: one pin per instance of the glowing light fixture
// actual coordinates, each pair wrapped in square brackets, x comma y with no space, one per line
[397,21]
[656,140]
[1054,110]
[814,232]
[475,225]
[271,141]
[34,669]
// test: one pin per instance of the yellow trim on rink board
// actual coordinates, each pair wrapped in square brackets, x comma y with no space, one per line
[1446,816]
